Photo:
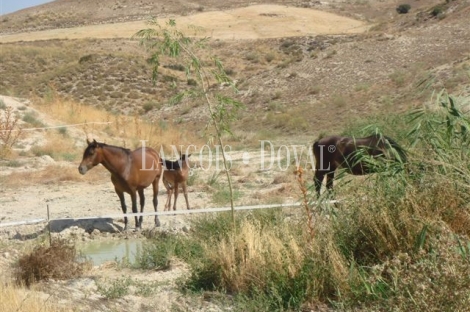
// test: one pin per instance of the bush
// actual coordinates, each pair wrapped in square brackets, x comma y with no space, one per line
[86,58]
[437,10]
[58,261]
[10,131]
[148,106]
[403,8]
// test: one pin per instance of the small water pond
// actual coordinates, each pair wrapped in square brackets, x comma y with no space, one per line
[101,251]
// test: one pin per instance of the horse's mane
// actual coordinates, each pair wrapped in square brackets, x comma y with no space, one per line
[175,164]
[125,150]
[172,164]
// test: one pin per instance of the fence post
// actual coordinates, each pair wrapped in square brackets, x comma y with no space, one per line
[49,226]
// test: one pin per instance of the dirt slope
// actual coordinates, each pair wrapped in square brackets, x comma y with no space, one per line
[253,22]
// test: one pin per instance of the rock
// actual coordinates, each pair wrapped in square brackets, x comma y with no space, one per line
[46,159]
[79,227]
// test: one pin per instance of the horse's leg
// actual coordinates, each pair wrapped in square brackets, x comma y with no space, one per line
[142,204]
[318,179]
[329,181]
[185,192]
[134,208]
[120,194]
[169,191]
[155,198]
[176,191]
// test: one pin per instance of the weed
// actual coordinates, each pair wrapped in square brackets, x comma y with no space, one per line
[252,57]
[31,118]
[147,289]
[14,163]
[362,87]
[213,178]
[148,106]
[314,89]
[159,253]
[118,288]
[62,131]
[222,196]
[398,77]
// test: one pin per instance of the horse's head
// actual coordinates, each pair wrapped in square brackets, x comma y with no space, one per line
[91,156]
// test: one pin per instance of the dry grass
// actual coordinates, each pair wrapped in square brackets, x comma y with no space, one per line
[130,130]
[14,298]
[247,257]
[51,174]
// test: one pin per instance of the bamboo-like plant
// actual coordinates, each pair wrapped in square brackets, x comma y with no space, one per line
[444,136]
[168,41]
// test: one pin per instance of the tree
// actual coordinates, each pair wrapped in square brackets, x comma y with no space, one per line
[222,109]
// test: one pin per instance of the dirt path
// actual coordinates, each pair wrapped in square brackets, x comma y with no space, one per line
[253,22]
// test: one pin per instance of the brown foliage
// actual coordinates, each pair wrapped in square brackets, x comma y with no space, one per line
[9,131]
[58,261]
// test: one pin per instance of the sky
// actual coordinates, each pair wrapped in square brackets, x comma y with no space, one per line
[8,6]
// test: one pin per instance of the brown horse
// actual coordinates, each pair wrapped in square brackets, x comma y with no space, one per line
[131,172]
[335,152]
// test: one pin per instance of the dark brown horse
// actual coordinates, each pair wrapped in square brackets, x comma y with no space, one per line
[335,152]
[131,172]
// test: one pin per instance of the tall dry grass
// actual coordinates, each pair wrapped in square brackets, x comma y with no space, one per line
[122,130]
[246,258]
[14,298]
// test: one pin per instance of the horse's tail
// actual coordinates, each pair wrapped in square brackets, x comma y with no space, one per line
[400,150]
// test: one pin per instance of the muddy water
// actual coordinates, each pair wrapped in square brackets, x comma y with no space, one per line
[101,251]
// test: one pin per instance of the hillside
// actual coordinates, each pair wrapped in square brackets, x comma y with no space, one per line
[299,79]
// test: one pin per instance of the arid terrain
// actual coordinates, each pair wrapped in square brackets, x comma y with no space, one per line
[302,69]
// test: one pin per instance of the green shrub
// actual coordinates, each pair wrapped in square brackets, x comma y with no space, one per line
[31,118]
[192,82]
[437,10]
[148,106]
[403,8]
[86,58]
[116,289]
[163,248]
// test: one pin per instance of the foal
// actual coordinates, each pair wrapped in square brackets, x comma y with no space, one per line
[176,172]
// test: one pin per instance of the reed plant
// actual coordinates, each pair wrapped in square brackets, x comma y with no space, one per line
[398,240]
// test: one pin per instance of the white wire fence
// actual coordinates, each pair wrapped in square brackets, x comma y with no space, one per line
[158,213]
